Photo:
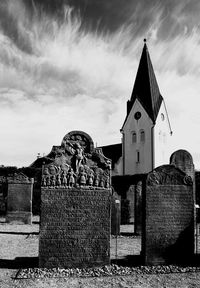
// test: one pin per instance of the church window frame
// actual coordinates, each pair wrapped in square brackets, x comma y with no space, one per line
[134,137]
[142,136]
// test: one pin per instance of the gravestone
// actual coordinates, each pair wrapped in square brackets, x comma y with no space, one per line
[168,220]
[19,199]
[115,214]
[75,206]
[182,159]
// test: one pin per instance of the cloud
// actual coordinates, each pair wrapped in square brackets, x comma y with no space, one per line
[57,76]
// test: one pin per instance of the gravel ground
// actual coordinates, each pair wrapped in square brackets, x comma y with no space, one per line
[19,249]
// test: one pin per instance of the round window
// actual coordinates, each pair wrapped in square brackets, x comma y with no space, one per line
[137,115]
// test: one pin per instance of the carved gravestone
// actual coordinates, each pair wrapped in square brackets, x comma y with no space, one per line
[19,199]
[182,159]
[168,228]
[115,214]
[75,206]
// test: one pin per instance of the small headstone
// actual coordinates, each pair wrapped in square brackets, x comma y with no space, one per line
[182,159]
[19,199]
[168,227]
[75,206]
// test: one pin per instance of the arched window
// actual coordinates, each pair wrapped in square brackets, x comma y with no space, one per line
[142,136]
[134,137]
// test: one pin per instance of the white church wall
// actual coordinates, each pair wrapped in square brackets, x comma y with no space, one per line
[138,156]
[162,138]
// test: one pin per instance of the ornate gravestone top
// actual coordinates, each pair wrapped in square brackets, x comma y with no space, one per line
[168,175]
[19,178]
[77,164]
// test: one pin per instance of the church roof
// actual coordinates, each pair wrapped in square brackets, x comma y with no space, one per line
[146,88]
[113,152]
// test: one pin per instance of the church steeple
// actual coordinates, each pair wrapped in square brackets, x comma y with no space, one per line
[145,88]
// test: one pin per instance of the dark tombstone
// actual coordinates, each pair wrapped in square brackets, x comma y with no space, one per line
[168,222]
[19,199]
[75,206]
[115,214]
[138,209]
[182,159]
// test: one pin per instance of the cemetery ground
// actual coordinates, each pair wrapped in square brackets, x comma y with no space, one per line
[19,249]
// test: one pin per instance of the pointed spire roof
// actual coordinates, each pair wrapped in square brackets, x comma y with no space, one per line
[146,89]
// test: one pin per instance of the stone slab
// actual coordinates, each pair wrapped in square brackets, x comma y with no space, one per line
[19,199]
[75,228]
[169,231]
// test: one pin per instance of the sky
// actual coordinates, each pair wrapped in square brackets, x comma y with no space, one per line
[71,64]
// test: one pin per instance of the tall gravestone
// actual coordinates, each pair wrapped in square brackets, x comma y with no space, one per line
[75,206]
[168,219]
[19,199]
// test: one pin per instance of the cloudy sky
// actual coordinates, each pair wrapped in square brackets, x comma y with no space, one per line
[71,64]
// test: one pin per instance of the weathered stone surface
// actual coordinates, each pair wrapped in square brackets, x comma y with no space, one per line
[75,228]
[19,200]
[75,205]
[168,217]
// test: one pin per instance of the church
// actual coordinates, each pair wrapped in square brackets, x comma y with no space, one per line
[146,130]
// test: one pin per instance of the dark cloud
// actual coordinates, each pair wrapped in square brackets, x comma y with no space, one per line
[175,16]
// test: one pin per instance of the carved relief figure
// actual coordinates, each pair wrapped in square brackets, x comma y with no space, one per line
[71,177]
[82,177]
[44,181]
[107,182]
[53,180]
[64,178]
[96,181]
[58,180]
[91,177]
[101,183]
[48,181]
[78,155]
